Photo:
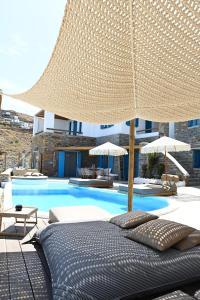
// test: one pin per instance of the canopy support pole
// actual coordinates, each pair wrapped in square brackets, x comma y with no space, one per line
[165,161]
[131,164]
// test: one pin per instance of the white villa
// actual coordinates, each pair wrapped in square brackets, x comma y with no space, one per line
[61,146]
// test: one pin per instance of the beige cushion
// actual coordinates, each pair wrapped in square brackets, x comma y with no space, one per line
[100,172]
[28,174]
[160,234]
[190,241]
[132,219]
[74,214]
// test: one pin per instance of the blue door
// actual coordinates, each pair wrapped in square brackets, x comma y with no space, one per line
[61,163]
[136,164]
[68,163]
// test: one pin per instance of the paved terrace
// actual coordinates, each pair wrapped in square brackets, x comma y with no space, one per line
[23,272]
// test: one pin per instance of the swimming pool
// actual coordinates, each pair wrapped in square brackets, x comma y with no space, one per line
[48,194]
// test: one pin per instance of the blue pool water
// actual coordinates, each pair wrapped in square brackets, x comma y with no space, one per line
[48,194]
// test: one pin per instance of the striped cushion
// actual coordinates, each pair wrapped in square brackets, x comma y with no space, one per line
[132,219]
[160,234]
[190,241]
[177,295]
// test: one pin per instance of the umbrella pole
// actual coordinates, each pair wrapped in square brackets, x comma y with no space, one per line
[108,167]
[165,160]
[131,164]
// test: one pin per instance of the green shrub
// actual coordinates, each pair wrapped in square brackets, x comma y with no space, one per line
[161,169]
[153,160]
[144,170]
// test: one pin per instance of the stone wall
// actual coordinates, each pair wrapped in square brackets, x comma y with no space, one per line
[190,135]
[45,157]
[43,149]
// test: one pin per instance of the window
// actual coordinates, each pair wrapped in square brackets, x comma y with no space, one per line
[194,122]
[196,158]
[148,126]
[80,127]
[136,122]
[105,126]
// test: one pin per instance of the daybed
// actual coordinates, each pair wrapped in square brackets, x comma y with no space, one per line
[98,183]
[71,214]
[147,189]
[94,260]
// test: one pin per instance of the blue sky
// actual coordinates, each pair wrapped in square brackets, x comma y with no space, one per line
[28,33]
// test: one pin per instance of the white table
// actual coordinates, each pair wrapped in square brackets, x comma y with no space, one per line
[24,214]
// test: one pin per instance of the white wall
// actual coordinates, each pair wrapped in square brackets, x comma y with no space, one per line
[88,129]
[48,121]
[171,130]
[94,130]
[61,124]
[38,125]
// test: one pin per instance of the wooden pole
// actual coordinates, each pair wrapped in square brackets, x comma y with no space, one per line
[131,164]
[0,98]
[5,160]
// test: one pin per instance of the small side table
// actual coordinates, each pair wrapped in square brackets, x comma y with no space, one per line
[25,214]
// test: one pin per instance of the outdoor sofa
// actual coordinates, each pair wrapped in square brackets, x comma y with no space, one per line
[96,261]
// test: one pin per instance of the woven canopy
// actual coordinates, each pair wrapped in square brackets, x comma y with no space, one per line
[165,144]
[108,149]
[117,60]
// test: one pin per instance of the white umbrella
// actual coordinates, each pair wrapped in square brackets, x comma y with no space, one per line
[165,144]
[108,149]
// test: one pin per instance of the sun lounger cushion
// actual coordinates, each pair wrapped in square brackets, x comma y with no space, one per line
[94,261]
[197,295]
[190,241]
[177,295]
[160,234]
[132,219]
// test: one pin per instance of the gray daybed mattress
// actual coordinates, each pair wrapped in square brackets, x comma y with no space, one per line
[93,260]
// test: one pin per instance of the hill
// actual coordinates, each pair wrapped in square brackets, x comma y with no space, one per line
[15,138]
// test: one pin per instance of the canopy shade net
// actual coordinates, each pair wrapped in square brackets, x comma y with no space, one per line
[117,60]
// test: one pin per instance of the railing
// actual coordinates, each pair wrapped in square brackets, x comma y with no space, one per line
[65,131]
[177,164]
[149,130]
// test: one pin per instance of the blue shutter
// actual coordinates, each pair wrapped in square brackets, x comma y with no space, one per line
[79,159]
[99,163]
[74,127]
[80,127]
[194,122]
[70,127]
[106,126]
[196,158]
[136,122]
[110,163]
[78,162]
[61,163]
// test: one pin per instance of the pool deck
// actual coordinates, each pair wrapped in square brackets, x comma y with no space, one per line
[23,274]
